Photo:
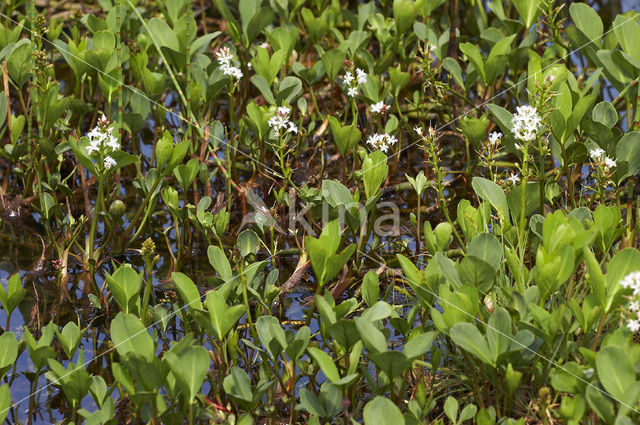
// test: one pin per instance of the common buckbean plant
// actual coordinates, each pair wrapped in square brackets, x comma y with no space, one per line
[393,212]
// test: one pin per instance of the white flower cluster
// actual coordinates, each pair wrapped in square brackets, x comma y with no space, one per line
[280,121]
[495,137]
[632,280]
[431,132]
[379,108]
[102,140]
[382,142]
[598,156]
[224,59]
[526,123]
[353,82]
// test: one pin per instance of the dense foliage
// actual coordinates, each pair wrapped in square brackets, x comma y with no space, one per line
[287,211]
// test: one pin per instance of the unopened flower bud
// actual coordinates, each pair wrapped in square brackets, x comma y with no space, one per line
[117,208]
[148,248]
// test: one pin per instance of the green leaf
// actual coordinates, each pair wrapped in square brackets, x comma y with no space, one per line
[600,403]
[8,352]
[628,149]
[604,112]
[222,317]
[238,385]
[268,67]
[404,14]
[473,55]
[374,172]
[219,261]
[333,61]
[616,372]
[13,295]
[486,247]
[373,339]
[418,345]
[130,335]
[587,20]
[190,368]
[392,363]
[451,409]
[491,192]
[262,85]
[186,173]
[628,34]
[325,362]
[5,402]
[370,288]
[163,34]
[528,10]
[164,150]
[271,335]
[125,285]
[453,67]
[248,242]
[468,337]
[346,137]
[382,411]
[20,62]
[289,89]
[187,290]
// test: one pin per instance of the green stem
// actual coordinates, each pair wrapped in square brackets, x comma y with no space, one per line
[542,177]
[141,208]
[418,230]
[147,291]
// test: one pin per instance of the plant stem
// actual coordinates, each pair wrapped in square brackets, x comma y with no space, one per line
[542,182]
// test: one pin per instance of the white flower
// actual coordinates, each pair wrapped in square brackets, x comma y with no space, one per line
[514,178]
[224,59]
[264,45]
[634,305]
[596,154]
[526,123]
[94,146]
[419,130]
[224,56]
[494,138]
[232,71]
[101,136]
[379,108]
[632,280]
[348,78]
[109,162]
[283,111]
[348,81]
[609,163]
[634,325]
[382,142]
[280,121]
[112,141]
